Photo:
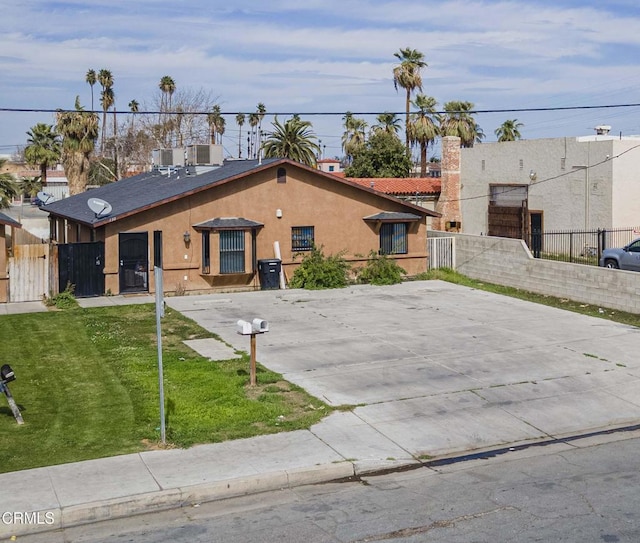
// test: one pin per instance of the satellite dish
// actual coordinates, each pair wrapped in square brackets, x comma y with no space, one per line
[100,207]
[45,197]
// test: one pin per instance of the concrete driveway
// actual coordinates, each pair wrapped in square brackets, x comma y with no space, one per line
[437,368]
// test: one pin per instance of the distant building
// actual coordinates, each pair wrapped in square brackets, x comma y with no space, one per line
[330,165]
[566,183]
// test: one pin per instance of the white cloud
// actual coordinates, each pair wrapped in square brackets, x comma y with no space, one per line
[323,55]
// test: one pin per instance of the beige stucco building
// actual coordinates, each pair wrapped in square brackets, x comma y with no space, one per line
[211,228]
[570,183]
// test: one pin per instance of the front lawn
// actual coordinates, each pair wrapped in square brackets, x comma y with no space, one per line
[87,386]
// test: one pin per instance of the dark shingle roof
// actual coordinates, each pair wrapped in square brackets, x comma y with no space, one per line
[5,219]
[222,223]
[392,216]
[146,190]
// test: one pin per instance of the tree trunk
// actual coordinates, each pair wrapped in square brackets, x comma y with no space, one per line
[76,166]
[423,159]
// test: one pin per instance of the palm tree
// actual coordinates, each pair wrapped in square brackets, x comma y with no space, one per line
[168,86]
[407,75]
[387,122]
[458,121]
[91,79]
[423,127]
[254,120]
[217,124]
[260,110]
[221,123]
[354,136]
[240,121]
[105,78]
[8,187]
[30,186]
[294,140]
[79,130]
[134,107]
[509,130]
[43,148]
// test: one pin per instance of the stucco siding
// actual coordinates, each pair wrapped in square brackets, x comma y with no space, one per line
[572,181]
[335,210]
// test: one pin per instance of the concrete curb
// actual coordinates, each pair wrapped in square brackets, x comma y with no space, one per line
[76,515]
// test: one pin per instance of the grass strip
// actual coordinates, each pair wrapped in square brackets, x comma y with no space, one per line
[87,386]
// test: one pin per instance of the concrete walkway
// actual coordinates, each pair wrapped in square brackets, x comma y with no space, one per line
[435,370]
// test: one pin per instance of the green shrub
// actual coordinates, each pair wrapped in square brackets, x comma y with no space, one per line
[62,300]
[380,270]
[317,271]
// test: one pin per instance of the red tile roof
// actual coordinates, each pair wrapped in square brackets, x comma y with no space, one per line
[36,173]
[400,185]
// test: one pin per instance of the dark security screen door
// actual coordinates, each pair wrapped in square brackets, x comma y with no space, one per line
[82,265]
[134,262]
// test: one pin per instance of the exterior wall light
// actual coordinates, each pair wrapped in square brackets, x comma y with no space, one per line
[187,237]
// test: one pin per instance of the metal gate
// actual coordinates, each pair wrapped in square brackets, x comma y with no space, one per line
[442,253]
[134,262]
[82,265]
[29,273]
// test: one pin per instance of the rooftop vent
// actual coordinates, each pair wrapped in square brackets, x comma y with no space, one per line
[168,157]
[204,155]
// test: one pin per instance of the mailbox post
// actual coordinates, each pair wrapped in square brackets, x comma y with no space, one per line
[253,328]
[6,376]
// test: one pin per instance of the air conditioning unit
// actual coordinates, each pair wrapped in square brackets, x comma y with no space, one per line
[204,155]
[168,157]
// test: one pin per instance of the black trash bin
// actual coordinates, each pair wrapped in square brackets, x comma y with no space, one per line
[269,273]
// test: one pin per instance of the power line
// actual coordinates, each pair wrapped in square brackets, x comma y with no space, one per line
[326,113]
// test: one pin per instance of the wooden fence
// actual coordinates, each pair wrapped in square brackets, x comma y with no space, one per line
[32,272]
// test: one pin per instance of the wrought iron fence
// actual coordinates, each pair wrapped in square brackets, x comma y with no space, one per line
[579,246]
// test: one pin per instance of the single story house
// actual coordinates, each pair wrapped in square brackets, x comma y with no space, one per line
[421,191]
[209,227]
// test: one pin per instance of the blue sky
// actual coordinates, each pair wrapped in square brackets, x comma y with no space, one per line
[329,56]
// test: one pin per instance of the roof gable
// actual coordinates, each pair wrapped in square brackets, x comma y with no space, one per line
[141,192]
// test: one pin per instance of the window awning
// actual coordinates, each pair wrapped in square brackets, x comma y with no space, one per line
[392,216]
[228,223]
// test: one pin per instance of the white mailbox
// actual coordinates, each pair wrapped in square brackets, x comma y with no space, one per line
[244,328]
[260,326]
[257,326]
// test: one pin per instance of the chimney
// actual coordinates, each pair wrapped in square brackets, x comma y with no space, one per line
[449,201]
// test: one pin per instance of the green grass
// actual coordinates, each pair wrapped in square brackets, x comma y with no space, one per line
[87,386]
[452,276]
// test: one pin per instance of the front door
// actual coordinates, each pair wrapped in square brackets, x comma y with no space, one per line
[536,233]
[134,262]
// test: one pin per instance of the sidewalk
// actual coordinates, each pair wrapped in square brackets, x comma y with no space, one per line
[436,370]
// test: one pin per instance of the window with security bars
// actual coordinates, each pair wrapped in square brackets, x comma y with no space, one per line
[232,251]
[393,238]
[302,238]
[206,253]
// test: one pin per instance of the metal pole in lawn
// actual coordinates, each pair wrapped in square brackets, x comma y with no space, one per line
[157,272]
